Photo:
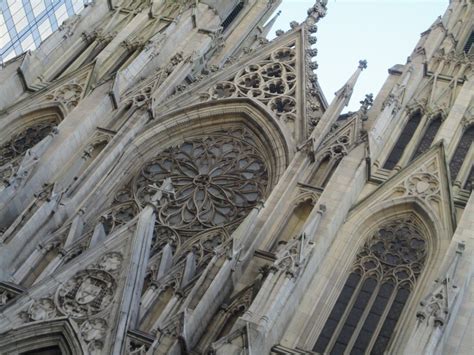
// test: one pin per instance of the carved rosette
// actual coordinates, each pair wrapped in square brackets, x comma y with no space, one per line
[422,184]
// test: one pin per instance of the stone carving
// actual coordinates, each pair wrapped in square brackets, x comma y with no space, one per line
[110,262]
[41,309]
[86,294]
[5,296]
[422,184]
[93,332]
[271,81]
[68,94]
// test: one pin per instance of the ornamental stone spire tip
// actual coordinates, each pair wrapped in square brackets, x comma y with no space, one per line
[316,12]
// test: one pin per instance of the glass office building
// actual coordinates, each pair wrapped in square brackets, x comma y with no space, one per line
[25,23]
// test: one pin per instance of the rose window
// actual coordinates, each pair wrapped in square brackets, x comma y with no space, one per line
[216,180]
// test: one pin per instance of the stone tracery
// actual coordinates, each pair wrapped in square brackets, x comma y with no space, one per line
[271,81]
[377,289]
[216,180]
[12,151]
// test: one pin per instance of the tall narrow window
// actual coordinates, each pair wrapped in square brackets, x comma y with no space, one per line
[374,295]
[470,179]
[428,137]
[403,141]
[235,12]
[461,151]
[469,43]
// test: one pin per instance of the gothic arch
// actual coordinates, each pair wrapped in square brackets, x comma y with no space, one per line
[359,226]
[58,333]
[22,134]
[173,128]
[28,117]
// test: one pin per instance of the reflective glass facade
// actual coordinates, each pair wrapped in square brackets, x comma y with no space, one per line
[25,23]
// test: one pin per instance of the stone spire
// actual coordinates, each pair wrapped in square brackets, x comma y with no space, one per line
[268,27]
[344,94]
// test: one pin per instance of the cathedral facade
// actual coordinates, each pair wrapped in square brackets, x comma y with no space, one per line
[172,182]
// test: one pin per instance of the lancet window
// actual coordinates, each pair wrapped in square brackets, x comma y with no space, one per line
[403,141]
[461,152]
[469,43]
[372,300]
[232,16]
[428,137]
[469,180]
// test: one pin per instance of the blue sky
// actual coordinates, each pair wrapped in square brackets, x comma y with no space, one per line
[384,32]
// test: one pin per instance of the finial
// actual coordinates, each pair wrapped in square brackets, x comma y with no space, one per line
[316,12]
[365,105]
[367,102]
[363,64]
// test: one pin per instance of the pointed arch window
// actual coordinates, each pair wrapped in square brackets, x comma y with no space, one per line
[461,152]
[429,136]
[12,151]
[403,141]
[376,290]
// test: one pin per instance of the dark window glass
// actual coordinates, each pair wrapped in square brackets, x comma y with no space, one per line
[337,312]
[235,12]
[391,321]
[403,141]
[368,308]
[470,41]
[356,312]
[470,178]
[373,318]
[461,151]
[51,350]
[428,137]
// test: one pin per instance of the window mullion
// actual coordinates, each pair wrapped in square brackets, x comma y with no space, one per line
[417,136]
[343,319]
[363,317]
[388,306]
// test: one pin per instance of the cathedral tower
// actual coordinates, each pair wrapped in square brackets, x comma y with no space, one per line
[173,183]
